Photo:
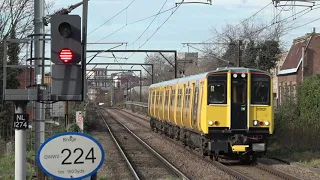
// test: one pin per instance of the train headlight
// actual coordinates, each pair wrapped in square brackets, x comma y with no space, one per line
[255,122]
[243,75]
[235,75]
[266,123]
[210,123]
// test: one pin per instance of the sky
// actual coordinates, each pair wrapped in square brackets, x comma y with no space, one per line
[190,23]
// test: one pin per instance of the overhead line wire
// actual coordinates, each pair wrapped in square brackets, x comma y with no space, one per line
[143,19]
[157,29]
[113,16]
[150,23]
[242,21]
[271,24]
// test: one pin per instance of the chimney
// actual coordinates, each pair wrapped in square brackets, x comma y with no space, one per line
[313,30]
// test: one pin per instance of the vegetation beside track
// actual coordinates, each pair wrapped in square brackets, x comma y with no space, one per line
[297,126]
[89,120]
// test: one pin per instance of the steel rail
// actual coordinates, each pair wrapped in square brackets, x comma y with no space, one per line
[276,172]
[224,167]
[133,171]
[171,166]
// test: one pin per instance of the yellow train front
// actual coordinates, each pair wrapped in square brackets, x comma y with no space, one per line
[225,113]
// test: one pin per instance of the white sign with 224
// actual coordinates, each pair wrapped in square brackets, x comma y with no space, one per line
[70,156]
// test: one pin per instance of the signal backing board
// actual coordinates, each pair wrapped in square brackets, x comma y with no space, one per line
[66,82]
[70,155]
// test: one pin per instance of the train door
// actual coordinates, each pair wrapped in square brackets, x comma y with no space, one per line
[200,105]
[238,102]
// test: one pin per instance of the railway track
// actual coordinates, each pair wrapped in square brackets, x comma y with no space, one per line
[143,161]
[256,171]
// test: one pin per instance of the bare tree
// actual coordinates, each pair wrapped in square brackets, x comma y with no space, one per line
[162,70]
[252,32]
[16,21]
[18,14]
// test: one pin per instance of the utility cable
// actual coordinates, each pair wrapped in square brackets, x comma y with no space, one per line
[302,25]
[149,24]
[242,21]
[113,16]
[140,20]
[157,29]
[283,20]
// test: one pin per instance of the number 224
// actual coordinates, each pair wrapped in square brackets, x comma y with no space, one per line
[81,153]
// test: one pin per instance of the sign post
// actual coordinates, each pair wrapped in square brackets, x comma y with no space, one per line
[70,155]
[20,124]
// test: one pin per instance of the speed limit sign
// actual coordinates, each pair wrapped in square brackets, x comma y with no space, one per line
[70,155]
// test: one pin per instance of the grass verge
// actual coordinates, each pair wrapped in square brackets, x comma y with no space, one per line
[7,166]
[305,156]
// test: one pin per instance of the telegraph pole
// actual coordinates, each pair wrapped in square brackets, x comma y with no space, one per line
[239,55]
[84,48]
[38,44]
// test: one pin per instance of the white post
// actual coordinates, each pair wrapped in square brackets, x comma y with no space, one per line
[302,63]
[20,146]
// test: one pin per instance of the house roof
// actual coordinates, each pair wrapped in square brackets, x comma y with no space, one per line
[294,57]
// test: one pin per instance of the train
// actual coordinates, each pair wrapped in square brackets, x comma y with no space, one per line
[226,113]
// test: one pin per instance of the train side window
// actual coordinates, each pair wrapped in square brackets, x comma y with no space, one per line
[173,94]
[178,99]
[186,98]
[151,98]
[260,89]
[157,99]
[167,97]
[160,97]
[216,93]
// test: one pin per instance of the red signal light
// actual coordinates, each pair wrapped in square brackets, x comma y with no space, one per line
[66,55]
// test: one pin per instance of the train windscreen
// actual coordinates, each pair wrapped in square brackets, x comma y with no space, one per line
[260,89]
[217,89]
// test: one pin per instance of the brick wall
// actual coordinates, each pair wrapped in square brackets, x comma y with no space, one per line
[24,80]
[312,65]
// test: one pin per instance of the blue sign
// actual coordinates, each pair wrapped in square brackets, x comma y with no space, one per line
[70,155]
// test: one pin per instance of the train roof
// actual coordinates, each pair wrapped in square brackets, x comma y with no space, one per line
[204,75]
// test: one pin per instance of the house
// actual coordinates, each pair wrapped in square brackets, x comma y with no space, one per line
[274,73]
[303,60]
[26,78]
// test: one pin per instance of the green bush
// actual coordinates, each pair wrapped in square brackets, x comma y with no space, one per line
[74,128]
[90,122]
[297,119]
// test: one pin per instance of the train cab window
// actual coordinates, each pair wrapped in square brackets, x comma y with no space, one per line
[260,89]
[217,89]
[216,93]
